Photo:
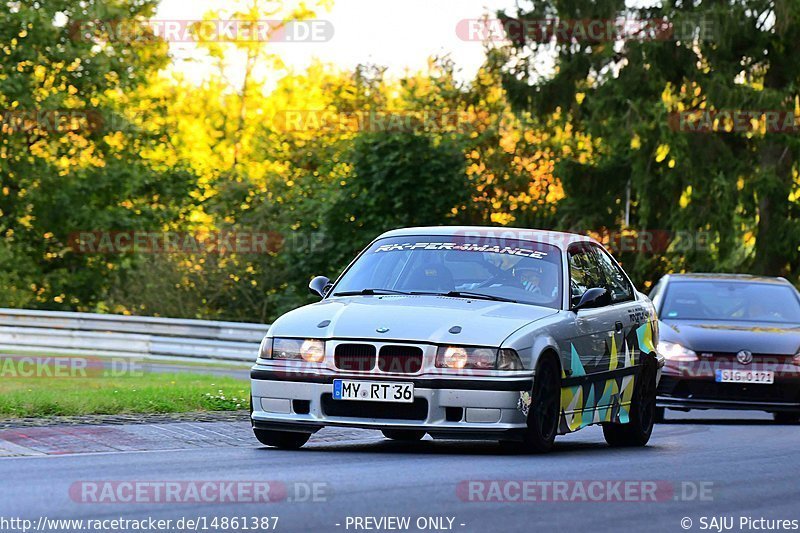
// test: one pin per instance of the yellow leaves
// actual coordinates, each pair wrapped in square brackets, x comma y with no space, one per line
[115,140]
[686,197]
[476,169]
[579,97]
[668,96]
[26,221]
[661,152]
[201,219]
[39,73]
[671,163]
[502,218]
[508,141]
[555,192]
[636,142]
[740,184]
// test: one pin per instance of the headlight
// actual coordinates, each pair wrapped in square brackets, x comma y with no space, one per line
[265,349]
[675,352]
[461,357]
[507,359]
[309,350]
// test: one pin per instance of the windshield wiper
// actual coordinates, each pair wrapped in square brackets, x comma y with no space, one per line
[475,295]
[370,292]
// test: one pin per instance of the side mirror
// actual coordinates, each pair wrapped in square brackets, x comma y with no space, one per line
[594,297]
[319,286]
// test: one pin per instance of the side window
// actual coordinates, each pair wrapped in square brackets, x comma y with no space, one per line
[615,282]
[584,272]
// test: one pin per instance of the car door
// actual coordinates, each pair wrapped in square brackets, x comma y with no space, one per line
[587,344]
[624,310]
[593,327]
[630,320]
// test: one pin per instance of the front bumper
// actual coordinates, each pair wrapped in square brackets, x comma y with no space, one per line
[693,386]
[444,407]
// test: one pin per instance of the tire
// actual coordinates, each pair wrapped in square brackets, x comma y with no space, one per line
[545,410]
[642,412]
[285,440]
[407,435]
[786,418]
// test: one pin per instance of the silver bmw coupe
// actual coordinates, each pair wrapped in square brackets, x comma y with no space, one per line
[508,334]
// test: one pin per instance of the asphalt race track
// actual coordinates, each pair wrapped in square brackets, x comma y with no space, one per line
[747,467]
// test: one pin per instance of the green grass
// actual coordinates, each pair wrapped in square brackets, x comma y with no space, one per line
[148,393]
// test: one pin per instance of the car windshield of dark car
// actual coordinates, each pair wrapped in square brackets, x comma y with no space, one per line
[521,271]
[733,301]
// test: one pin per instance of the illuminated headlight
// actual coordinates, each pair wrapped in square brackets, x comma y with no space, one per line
[309,350]
[462,357]
[675,352]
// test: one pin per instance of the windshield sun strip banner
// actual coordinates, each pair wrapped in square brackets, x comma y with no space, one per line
[462,247]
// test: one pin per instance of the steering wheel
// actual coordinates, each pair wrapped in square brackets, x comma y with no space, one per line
[501,277]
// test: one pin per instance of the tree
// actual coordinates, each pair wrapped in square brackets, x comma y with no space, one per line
[638,96]
[73,150]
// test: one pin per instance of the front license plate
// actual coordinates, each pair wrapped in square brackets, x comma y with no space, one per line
[373,391]
[764,377]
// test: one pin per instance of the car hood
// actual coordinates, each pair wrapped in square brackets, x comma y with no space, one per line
[426,319]
[729,337]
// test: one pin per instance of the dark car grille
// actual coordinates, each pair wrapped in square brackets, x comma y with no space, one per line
[355,357]
[400,359]
[711,390]
[391,410]
[760,358]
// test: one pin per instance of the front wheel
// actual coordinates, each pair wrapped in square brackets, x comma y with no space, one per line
[540,435]
[642,412]
[285,440]
[407,435]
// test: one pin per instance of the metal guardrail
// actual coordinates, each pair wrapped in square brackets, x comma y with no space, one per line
[57,332]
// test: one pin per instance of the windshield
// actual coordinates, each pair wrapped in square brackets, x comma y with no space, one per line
[502,269]
[735,301]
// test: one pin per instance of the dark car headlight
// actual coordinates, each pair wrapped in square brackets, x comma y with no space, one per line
[672,351]
[282,349]
[465,357]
